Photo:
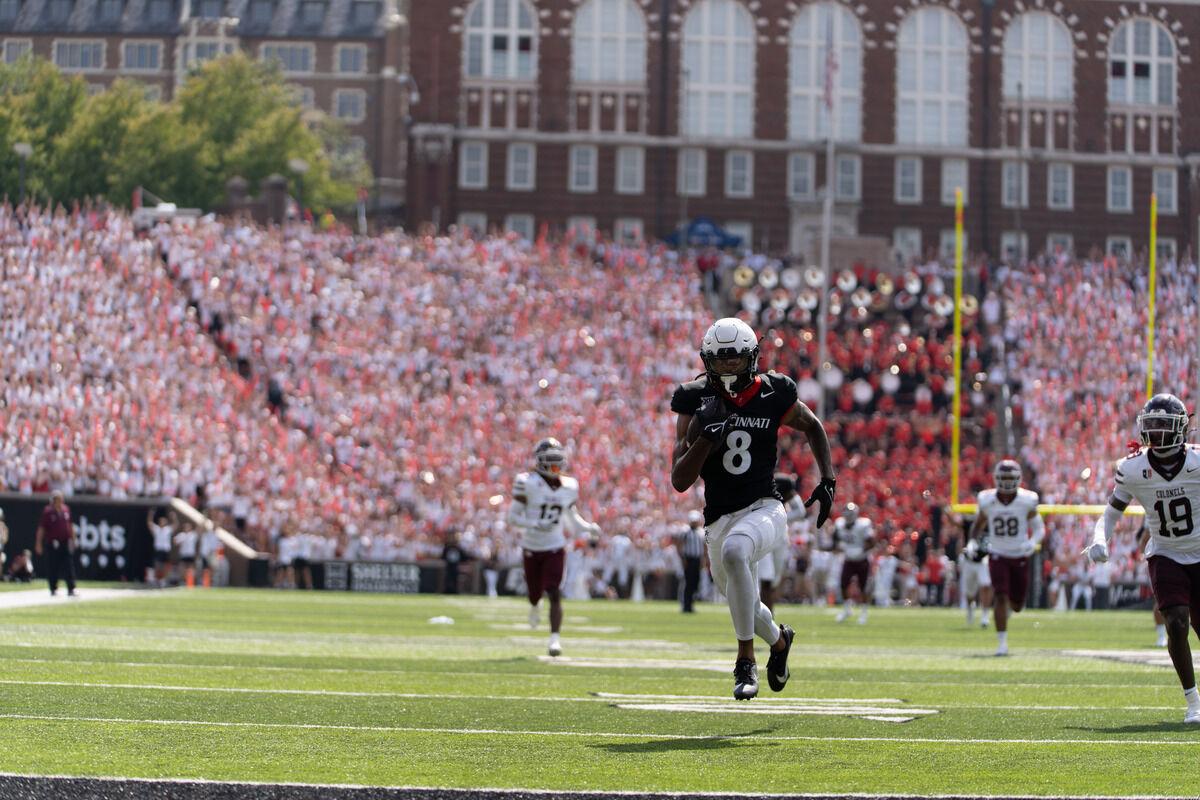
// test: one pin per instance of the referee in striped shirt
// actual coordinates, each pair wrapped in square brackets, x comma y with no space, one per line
[690,544]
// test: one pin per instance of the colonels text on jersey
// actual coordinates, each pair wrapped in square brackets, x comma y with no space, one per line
[1007,523]
[546,509]
[741,469]
[1171,503]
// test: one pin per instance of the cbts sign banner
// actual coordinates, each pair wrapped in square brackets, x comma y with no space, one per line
[114,543]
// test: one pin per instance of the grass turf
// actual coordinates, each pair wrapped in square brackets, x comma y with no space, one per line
[342,688]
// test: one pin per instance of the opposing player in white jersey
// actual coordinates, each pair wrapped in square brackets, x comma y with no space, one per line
[1009,516]
[544,502]
[1164,476]
[773,565]
[855,537]
[975,577]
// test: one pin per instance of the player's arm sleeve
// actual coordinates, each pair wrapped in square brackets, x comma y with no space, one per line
[518,512]
[578,524]
[1103,532]
[1037,527]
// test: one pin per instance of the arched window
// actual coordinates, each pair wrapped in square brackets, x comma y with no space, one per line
[1039,58]
[808,117]
[931,91]
[501,38]
[718,70]
[1141,64]
[609,43]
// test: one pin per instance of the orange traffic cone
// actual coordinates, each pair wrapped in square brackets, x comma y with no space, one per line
[190,579]
[206,578]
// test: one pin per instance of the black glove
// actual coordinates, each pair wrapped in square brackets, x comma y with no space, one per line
[712,416]
[823,494]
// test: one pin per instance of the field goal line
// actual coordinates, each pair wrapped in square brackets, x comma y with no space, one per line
[1053,509]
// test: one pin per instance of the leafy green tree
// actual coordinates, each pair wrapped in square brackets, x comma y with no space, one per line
[86,155]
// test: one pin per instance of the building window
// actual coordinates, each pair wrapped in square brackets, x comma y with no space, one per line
[628,230]
[631,170]
[1166,250]
[110,11]
[1060,187]
[931,91]
[583,168]
[1165,183]
[520,224]
[946,245]
[1060,244]
[1039,58]
[292,58]
[160,11]
[209,9]
[312,13]
[59,11]
[582,229]
[521,167]
[199,51]
[1120,189]
[908,180]
[718,70]
[1014,185]
[1119,246]
[142,56]
[262,11]
[16,49]
[350,105]
[302,96]
[1014,246]
[907,243]
[9,9]
[739,173]
[82,56]
[801,172]
[609,43]
[849,179]
[364,14]
[473,221]
[693,177]
[473,165]
[808,91]
[954,176]
[743,231]
[1141,64]
[501,40]
[352,58]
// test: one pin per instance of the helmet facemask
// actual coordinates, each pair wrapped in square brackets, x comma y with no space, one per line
[726,340]
[549,458]
[1164,433]
[1008,476]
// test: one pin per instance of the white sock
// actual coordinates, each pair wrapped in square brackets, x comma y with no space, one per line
[1192,696]
[984,615]
[554,638]
[1160,631]
[1002,636]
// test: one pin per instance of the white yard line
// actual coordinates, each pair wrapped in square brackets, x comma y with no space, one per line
[42,597]
[590,735]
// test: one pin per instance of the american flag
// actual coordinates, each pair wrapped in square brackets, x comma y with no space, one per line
[831,64]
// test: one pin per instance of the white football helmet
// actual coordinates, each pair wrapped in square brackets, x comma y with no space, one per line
[1008,476]
[549,457]
[1163,424]
[730,338]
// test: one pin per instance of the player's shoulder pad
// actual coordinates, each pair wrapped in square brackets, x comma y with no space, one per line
[986,497]
[569,483]
[520,482]
[782,384]
[1028,495]
[687,396]
[1131,466]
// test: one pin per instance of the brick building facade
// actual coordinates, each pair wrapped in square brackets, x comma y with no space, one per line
[345,57]
[1057,116]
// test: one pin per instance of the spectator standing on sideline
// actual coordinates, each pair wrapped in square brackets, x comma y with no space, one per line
[453,556]
[162,533]
[690,544]
[3,538]
[187,540]
[56,540]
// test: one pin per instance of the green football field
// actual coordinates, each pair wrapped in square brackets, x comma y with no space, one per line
[270,686]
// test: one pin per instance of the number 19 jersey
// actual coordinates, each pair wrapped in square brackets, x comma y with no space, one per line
[1171,504]
[741,468]
[1007,523]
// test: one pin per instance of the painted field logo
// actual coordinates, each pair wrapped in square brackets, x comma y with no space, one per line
[877,709]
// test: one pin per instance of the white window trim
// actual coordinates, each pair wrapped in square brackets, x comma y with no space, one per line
[510,219]
[681,180]
[953,60]
[590,186]
[509,183]
[7,42]
[1023,188]
[918,179]
[733,125]
[337,58]
[627,41]
[635,222]
[948,187]
[337,95]
[513,32]
[1108,186]
[908,229]
[1050,237]
[946,236]
[1022,244]
[126,68]
[103,54]
[1026,51]
[803,99]
[1156,61]
[1174,207]
[583,225]
[312,55]
[1070,204]
[641,171]
[742,229]
[837,182]
[465,218]
[1109,241]
[730,191]
[1164,241]
[463,182]
[811,160]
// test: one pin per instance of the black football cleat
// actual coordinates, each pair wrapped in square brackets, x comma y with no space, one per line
[777,668]
[745,679]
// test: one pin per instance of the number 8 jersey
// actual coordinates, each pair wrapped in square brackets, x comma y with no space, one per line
[741,469]
[1170,503]
[1007,523]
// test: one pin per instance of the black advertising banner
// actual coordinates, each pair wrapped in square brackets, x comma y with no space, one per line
[371,576]
[114,543]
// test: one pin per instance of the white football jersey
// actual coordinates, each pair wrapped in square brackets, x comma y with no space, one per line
[1007,523]
[546,510]
[853,539]
[1170,505]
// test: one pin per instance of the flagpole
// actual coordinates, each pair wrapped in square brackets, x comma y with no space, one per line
[826,218]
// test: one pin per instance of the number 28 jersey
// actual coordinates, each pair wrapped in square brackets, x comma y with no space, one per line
[1007,523]
[1171,504]
[741,469]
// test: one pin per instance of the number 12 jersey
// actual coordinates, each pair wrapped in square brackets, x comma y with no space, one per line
[1171,503]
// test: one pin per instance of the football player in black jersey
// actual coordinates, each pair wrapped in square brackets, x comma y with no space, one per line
[727,432]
